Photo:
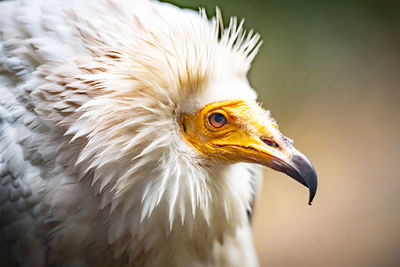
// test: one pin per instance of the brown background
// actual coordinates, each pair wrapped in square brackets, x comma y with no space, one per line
[330,72]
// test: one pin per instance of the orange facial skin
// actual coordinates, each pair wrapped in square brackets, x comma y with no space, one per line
[249,135]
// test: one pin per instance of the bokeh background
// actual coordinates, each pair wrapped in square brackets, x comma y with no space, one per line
[330,73]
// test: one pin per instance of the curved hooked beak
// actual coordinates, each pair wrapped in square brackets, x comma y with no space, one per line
[299,168]
[249,135]
[258,139]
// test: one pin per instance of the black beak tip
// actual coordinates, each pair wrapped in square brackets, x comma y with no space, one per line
[300,169]
[305,174]
[313,191]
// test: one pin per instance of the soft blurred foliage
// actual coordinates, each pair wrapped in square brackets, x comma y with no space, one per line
[330,73]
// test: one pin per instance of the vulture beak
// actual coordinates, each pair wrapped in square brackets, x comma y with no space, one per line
[240,131]
[299,168]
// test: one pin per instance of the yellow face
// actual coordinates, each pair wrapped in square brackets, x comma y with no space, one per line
[239,131]
[234,131]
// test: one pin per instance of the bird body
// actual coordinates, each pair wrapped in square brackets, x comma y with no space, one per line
[104,157]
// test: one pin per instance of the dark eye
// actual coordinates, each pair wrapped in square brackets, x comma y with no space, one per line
[217,120]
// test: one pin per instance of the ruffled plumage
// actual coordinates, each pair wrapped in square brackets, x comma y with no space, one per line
[99,88]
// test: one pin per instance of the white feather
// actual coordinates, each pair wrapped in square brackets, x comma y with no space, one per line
[95,89]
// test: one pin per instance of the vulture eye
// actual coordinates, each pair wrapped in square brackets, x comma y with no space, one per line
[217,120]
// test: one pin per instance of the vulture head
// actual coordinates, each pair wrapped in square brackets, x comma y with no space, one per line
[163,122]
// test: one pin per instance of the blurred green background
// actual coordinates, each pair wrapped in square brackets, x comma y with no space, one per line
[330,73]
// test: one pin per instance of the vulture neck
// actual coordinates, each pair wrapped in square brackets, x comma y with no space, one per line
[194,211]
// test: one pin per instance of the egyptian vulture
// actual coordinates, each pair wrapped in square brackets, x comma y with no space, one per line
[130,136]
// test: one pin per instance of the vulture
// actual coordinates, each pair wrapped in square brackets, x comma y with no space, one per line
[130,136]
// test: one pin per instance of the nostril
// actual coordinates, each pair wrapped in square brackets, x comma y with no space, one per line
[269,142]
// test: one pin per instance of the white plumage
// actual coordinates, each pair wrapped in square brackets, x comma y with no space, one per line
[93,167]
